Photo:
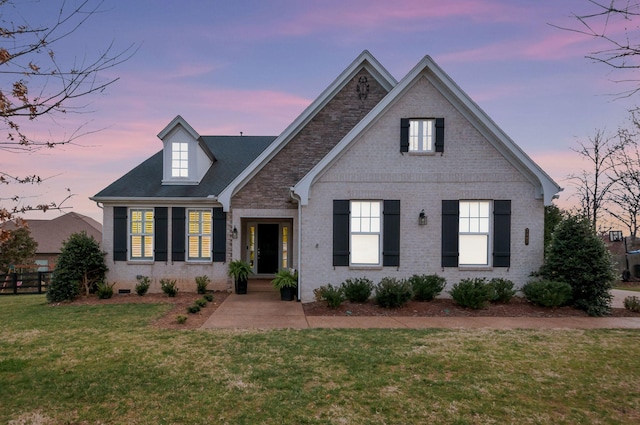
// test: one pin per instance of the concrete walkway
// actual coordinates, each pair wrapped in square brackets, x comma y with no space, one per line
[261,308]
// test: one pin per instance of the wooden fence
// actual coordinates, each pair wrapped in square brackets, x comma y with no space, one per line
[24,283]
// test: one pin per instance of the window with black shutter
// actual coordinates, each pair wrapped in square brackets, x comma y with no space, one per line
[450,212]
[178,234]
[219,235]
[120,234]
[341,232]
[391,233]
[502,233]
[161,216]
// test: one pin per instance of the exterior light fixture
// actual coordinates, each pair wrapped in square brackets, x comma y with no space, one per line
[234,233]
[422,218]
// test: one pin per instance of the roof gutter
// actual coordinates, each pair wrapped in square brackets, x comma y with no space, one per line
[296,198]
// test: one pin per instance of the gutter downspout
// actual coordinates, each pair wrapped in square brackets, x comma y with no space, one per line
[296,198]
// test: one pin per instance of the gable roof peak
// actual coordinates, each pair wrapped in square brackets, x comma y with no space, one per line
[178,121]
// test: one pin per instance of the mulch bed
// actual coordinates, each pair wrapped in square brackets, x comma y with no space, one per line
[441,307]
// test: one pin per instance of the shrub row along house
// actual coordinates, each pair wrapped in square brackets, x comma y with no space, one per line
[375,178]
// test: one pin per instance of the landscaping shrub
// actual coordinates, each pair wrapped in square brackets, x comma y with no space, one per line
[80,265]
[181,319]
[501,290]
[143,285]
[208,297]
[201,302]
[547,293]
[357,290]
[193,309]
[201,283]
[393,293]
[104,290]
[471,293]
[632,303]
[577,255]
[169,287]
[333,295]
[426,287]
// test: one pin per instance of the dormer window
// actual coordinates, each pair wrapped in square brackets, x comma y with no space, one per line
[179,159]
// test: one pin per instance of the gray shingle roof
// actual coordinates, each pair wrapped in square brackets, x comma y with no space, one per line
[233,154]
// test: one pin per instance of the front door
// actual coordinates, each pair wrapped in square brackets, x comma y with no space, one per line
[268,238]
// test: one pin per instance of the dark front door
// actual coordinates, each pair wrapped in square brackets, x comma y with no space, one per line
[268,248]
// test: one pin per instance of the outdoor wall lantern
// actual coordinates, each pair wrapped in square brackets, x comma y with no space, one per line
[234,233]
[422,218]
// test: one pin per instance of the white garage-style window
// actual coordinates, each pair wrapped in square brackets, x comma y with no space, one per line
[474,230]
[141,234]
[199,235]
[365,232]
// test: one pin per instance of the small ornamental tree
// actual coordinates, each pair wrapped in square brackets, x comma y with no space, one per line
[18,248]
[577,256]
[81,265]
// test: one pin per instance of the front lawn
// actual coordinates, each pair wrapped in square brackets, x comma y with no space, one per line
[105,365]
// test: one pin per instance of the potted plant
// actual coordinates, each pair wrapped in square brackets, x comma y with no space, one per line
[240,271]
[286,281]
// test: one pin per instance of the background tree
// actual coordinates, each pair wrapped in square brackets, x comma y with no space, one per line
[80,266]
[18,248]
[621,49]
[552,216]
[580,258]
[35,82]
[593,184]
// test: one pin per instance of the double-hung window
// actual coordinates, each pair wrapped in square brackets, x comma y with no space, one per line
[141,234]
[199,235]
[422,135]
[365,232]
[474,228]
[179,159]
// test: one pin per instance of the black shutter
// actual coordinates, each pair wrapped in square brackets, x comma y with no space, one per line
[391,233]
[119,233]
[340,233]
[404,134]
[219,235]
[160,233]
[178,233]
[501,233]
[450,212]
[439,134]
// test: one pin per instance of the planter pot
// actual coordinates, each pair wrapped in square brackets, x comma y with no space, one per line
[287,293]
[241,286]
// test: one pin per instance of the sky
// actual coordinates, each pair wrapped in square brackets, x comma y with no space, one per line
[253,66]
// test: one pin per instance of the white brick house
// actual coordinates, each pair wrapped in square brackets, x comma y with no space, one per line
[375,178]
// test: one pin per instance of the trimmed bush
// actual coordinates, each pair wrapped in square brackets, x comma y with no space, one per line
[193,309]
[632,303]
[143,285]
[208,297]
[471,293]
[333,295]
[547,293]
[393,293]
[501,290]
[201,283]
[201,302]
[181,319]
[169,287]
[357,290]
[426,287]
[104,290]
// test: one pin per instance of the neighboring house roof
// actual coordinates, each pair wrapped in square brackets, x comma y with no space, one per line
[233,154]
[51,233]
[364,60]
[546,187]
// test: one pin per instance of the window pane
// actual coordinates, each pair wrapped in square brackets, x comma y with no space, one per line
[473,250]
[148,247]
[365,249]
[205,247]
[136,246]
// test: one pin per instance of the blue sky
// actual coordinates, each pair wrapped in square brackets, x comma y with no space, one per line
[253,66]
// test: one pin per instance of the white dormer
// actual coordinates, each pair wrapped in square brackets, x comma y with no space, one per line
[186,159]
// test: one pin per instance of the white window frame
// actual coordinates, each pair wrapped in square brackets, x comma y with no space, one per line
[198,231]
[142,227]
[474,233]
[365,230]
[180,160]
[422,135]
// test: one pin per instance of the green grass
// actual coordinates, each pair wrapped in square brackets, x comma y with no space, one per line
[105,365]
[628,288]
